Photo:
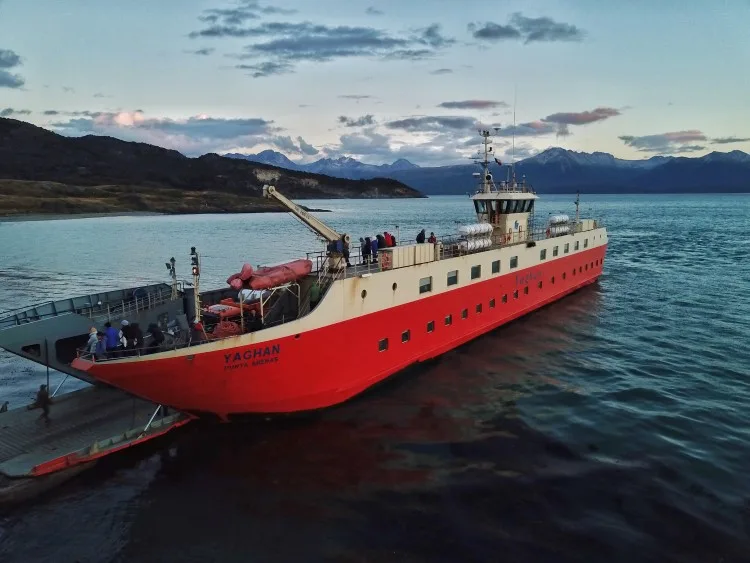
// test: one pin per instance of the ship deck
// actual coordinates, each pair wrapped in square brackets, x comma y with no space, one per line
[85,425]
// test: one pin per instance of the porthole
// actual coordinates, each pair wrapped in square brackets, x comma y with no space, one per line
[364,293]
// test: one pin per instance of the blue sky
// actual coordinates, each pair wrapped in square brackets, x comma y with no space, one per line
[381,80]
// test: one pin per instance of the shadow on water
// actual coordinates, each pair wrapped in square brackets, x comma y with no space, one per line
[446,462]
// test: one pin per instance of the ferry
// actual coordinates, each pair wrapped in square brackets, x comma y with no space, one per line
[318,331]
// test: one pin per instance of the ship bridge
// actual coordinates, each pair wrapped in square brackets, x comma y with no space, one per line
[507,205]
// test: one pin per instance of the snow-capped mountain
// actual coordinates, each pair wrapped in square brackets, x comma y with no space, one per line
[553,170]
[343,167]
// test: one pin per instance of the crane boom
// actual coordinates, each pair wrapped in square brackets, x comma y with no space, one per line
[313,222]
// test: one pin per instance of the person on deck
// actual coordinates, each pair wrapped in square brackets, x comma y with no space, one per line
[198,333]
[366,249]
[126,330]
[374,243]
[157,337]
[420,237]
[346,254]
[382,243]
[432,239]
[101,346]
[112,336]
[388,239]
[93,341]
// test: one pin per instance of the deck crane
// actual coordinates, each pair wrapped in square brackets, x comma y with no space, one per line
[323,230]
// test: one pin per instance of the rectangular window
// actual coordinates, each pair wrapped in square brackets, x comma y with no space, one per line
[555,250]
[543,254]
[578,242]
[505,297]
[425,285]
[564,275]
[449,320]
[567,247]
[464,314]
[496,266]
[406,336]
[515,294]
[514,261]
[492,303]
[383,345]
[585,243]
[476,271]
[526,290]
[453,277]
[539,285]
[431,326]
[479,307]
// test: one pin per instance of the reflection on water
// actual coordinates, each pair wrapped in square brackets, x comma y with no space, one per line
[607,427]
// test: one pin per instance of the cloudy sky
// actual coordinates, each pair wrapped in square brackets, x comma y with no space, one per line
[383,79]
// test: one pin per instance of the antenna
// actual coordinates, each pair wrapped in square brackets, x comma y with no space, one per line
[513,146]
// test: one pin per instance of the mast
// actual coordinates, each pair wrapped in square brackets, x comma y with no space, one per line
[195,260]
[578,201]
[513,141]
[487,183]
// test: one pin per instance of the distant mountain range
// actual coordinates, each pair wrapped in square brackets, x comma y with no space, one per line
[344,167]
[555,170]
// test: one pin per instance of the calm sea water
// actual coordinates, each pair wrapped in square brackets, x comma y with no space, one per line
[611,426]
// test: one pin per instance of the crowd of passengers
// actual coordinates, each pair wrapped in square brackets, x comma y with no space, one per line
[369,245]
[128,340]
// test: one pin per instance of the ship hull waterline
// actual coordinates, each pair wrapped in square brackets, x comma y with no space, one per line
[326,366]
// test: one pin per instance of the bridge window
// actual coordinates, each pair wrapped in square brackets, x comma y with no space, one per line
[383,345]
[425,285]
[406,336]
[449,320]
[514,261]
[465,314]
[492,303]
[567,247]
[431,326]
[578,242]
[543,254]
[495,266]
[585,243]
[476,272]
[554,250]
[453,277]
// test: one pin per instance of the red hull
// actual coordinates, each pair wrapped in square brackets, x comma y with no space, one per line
[329,365]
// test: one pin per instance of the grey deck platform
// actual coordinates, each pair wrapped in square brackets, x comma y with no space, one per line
[86,423]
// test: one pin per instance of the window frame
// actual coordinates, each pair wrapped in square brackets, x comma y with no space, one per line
[429,286]
[452,274]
